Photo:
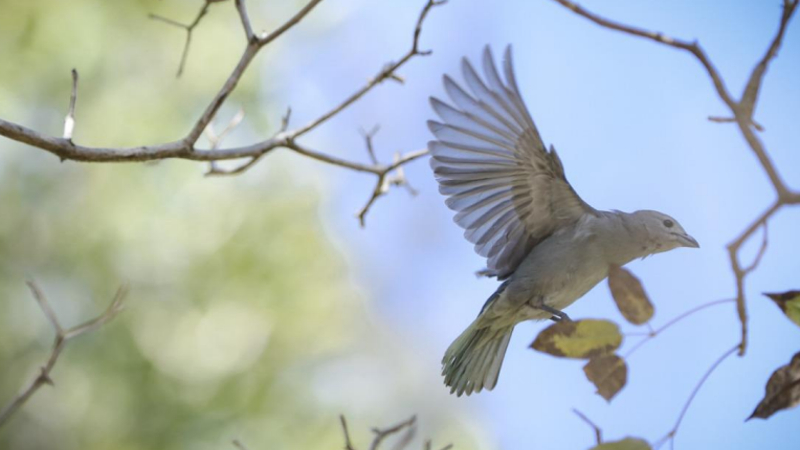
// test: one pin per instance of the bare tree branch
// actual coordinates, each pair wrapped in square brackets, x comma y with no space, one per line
[742,112]
[186,148]
[61,339]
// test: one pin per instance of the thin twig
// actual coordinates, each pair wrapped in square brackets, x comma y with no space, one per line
[653,333]
[671,435]
[383,182]
[598,433]
[69,120]
[188,28]
[245,18]
[761,250]
[386,73]
[750,94]
[62,337]
[41,300]
[294,20]
[381,434]
[368,135]
[215,140]
[348,445]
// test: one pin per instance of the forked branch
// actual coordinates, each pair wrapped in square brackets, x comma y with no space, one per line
[62,338]
[186,148]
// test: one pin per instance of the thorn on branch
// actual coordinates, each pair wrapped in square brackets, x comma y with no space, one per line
[69,120]
[285,119]
[44,377]
[368,135]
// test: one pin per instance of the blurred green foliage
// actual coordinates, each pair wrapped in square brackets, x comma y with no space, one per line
[240,312]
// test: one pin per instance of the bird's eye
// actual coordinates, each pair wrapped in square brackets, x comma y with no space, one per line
[668,223]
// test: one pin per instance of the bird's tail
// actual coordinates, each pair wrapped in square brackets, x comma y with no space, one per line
[473,360]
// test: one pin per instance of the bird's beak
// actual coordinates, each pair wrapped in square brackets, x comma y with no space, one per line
[687,241]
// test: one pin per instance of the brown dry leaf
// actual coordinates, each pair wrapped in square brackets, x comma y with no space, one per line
[628,443]
[609,373]
[789,303]
[783,390]
[629,295]
[579,339]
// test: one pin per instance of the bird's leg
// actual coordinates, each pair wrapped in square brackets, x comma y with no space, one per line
[558,315]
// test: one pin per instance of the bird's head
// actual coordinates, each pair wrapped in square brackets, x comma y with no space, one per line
[662,232]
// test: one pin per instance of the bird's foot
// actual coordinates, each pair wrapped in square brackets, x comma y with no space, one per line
[558,315]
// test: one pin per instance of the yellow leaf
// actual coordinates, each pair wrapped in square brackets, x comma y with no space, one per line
[580,339]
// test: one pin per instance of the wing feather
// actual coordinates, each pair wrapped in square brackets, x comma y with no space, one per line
[509,192]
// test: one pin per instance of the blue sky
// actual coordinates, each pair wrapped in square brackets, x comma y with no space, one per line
[629,120]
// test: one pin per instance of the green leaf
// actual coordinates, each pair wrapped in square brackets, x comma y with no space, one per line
[629,295]
[789,303]
[581,339]
[609,373]
[783,390]
[628,443]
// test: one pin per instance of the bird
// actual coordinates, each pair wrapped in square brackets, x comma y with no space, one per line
[512,198]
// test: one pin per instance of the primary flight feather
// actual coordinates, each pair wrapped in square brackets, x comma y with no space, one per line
[512,198]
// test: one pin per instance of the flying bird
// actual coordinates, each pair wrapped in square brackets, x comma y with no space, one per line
[547,245]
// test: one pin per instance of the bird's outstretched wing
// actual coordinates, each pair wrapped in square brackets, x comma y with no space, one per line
[509,191]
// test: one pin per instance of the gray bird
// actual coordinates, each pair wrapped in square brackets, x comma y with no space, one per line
[515,204]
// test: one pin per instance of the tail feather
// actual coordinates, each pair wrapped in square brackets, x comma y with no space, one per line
[473,360]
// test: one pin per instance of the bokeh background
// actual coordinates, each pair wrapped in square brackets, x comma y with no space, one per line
[259,309]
